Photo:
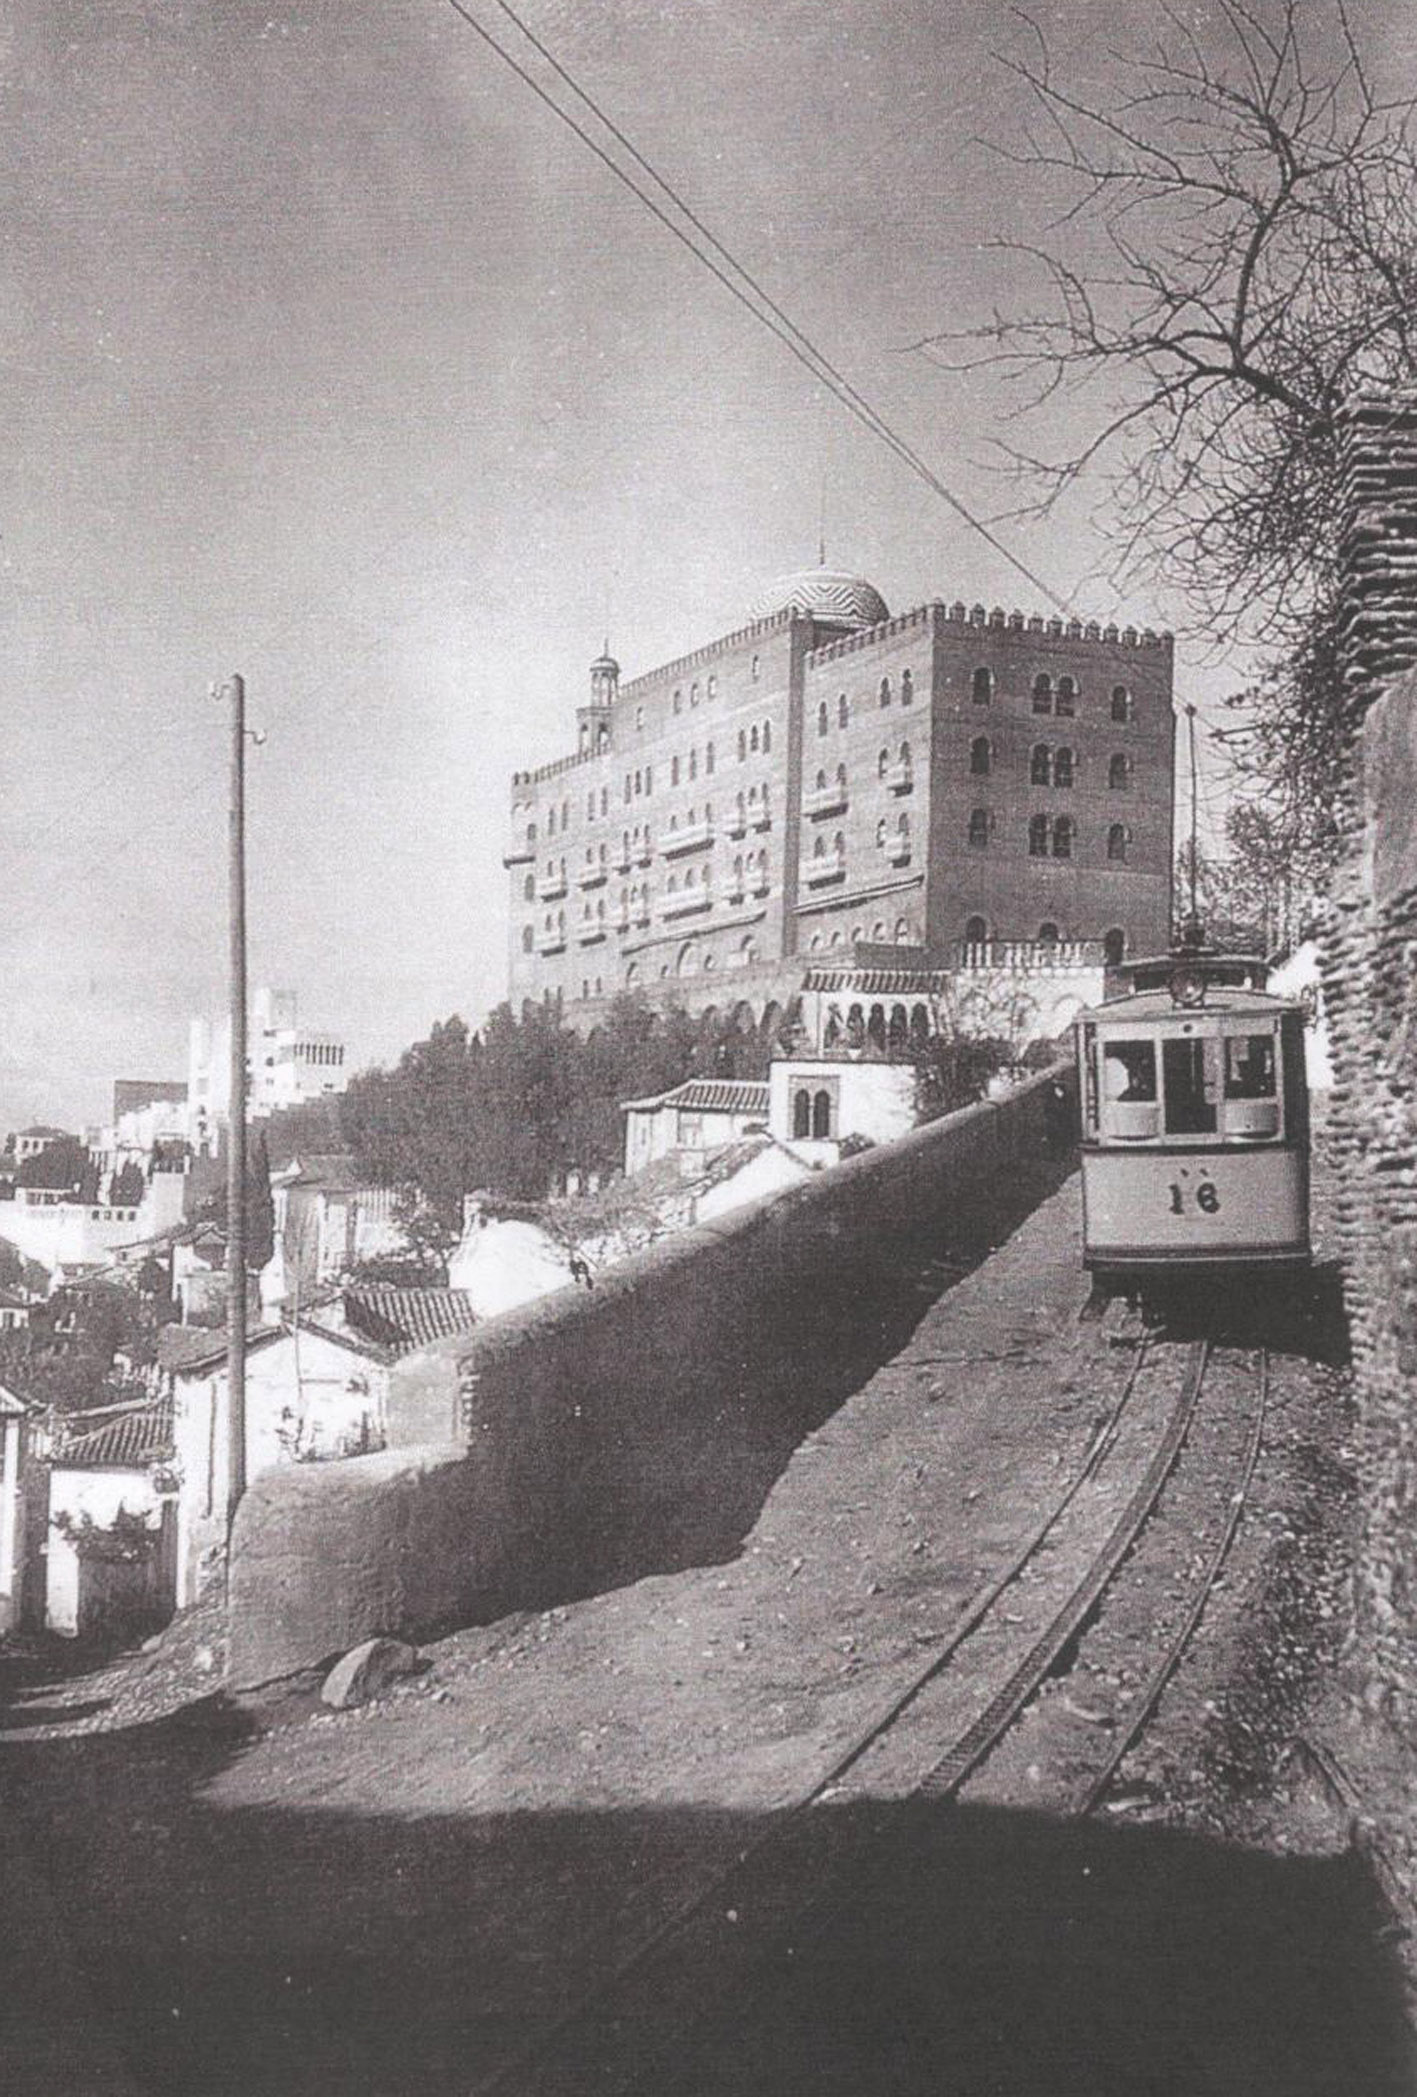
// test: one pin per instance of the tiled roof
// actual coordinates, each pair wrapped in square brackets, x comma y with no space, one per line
[131,1441]
[191,1347]
[405,1318]
[336,1170]
[710,1096]
[879,982]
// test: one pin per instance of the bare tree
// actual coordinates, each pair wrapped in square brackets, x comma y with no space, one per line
[1235,254]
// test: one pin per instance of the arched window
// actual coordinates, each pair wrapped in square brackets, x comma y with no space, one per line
[1119,771]
[565,815]
[526,939]
[712,686]
[1047,934]
[1040,765]
[754,669]
[529,888]
[1114,946]
[819,847]
[823,718]
[907,688]
[737,871]
[1038,837]
[678,702]
[639,717]
[976,932]
[982,686]
[590,807]
[979,828]
[693,764]
[902,930]
[604,800]
[876,1024]
[905,758]
[767,737]
[673,771]
[1121,703]
[742,745]
[883,763]
[802,1112]
[881,832]
[1117,841]
[1042,694]
[550,822]
[841,777]
[885,693]
[1063,768]
[639,782]
[903,826]
[531,833]
[835,940]
[1063,831]
[822,1114]
[821,780]
[898,1025]
[843,709]
[753,739]
[1066,702]
[693,695]
[839,845]
[980,757]
[708,759]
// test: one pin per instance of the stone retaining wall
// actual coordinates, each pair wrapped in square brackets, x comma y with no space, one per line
[597,1436]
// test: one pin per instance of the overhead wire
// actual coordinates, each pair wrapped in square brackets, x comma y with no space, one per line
[767,312]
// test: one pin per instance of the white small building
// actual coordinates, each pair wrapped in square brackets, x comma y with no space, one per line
[328,1218]
[287,1065]
[49,1227]
[701,1114]
[816,1102]
[103,1472]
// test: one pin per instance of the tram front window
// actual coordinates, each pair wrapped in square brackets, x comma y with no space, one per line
[1190,1102]
[1129,1071]
[1249,1066]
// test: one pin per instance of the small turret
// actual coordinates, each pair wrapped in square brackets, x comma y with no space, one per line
[593,721]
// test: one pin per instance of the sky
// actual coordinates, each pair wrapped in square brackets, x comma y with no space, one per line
[328,356]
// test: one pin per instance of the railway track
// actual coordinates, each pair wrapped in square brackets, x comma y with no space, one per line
[761,1880]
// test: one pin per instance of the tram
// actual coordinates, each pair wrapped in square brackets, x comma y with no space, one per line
[1195,1121]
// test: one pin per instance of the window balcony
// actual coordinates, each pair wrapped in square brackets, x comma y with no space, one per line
[689,837]
[826,801]
[590,934]
[898,850]
[736,892]
[624,861]
[550,886]
[760,818]
[685,902]
[900,779]
[737,824]
[644,852]
[550,942]
[519,855]
[759,884]
[592,876]
[820,873]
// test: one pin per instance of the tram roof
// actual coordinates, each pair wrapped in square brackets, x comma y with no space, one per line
[1221,1000]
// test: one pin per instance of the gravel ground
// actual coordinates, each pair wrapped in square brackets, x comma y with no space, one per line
[280,1899]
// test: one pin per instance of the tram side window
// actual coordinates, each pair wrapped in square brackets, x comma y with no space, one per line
[1129,1071]
[1190,1106]
[1249,1066]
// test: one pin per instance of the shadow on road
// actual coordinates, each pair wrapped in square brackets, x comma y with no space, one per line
[294,1951]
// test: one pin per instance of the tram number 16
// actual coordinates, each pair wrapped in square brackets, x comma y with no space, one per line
[1207,1198]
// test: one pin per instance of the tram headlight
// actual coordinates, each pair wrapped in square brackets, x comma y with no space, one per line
[1187,986]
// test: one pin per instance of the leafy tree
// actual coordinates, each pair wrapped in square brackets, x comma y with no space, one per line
[1232,256]
[128,1186]
[63,1166]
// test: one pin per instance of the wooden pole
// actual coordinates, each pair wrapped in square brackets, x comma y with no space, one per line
[236,1119]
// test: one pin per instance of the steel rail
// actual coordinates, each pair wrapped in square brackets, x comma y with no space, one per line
[696,1904]
[1003,1710]
[1170,1660]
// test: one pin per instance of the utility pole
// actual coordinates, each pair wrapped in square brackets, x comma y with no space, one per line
[235,691]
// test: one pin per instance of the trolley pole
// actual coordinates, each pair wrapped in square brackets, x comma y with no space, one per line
[236,1119]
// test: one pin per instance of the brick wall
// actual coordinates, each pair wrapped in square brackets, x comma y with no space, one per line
[1371,988]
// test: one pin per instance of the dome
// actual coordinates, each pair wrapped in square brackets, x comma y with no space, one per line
[823,593]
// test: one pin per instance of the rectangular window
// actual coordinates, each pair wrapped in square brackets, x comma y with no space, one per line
[1187,1074]
[1249,1066]
[1129,1071]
